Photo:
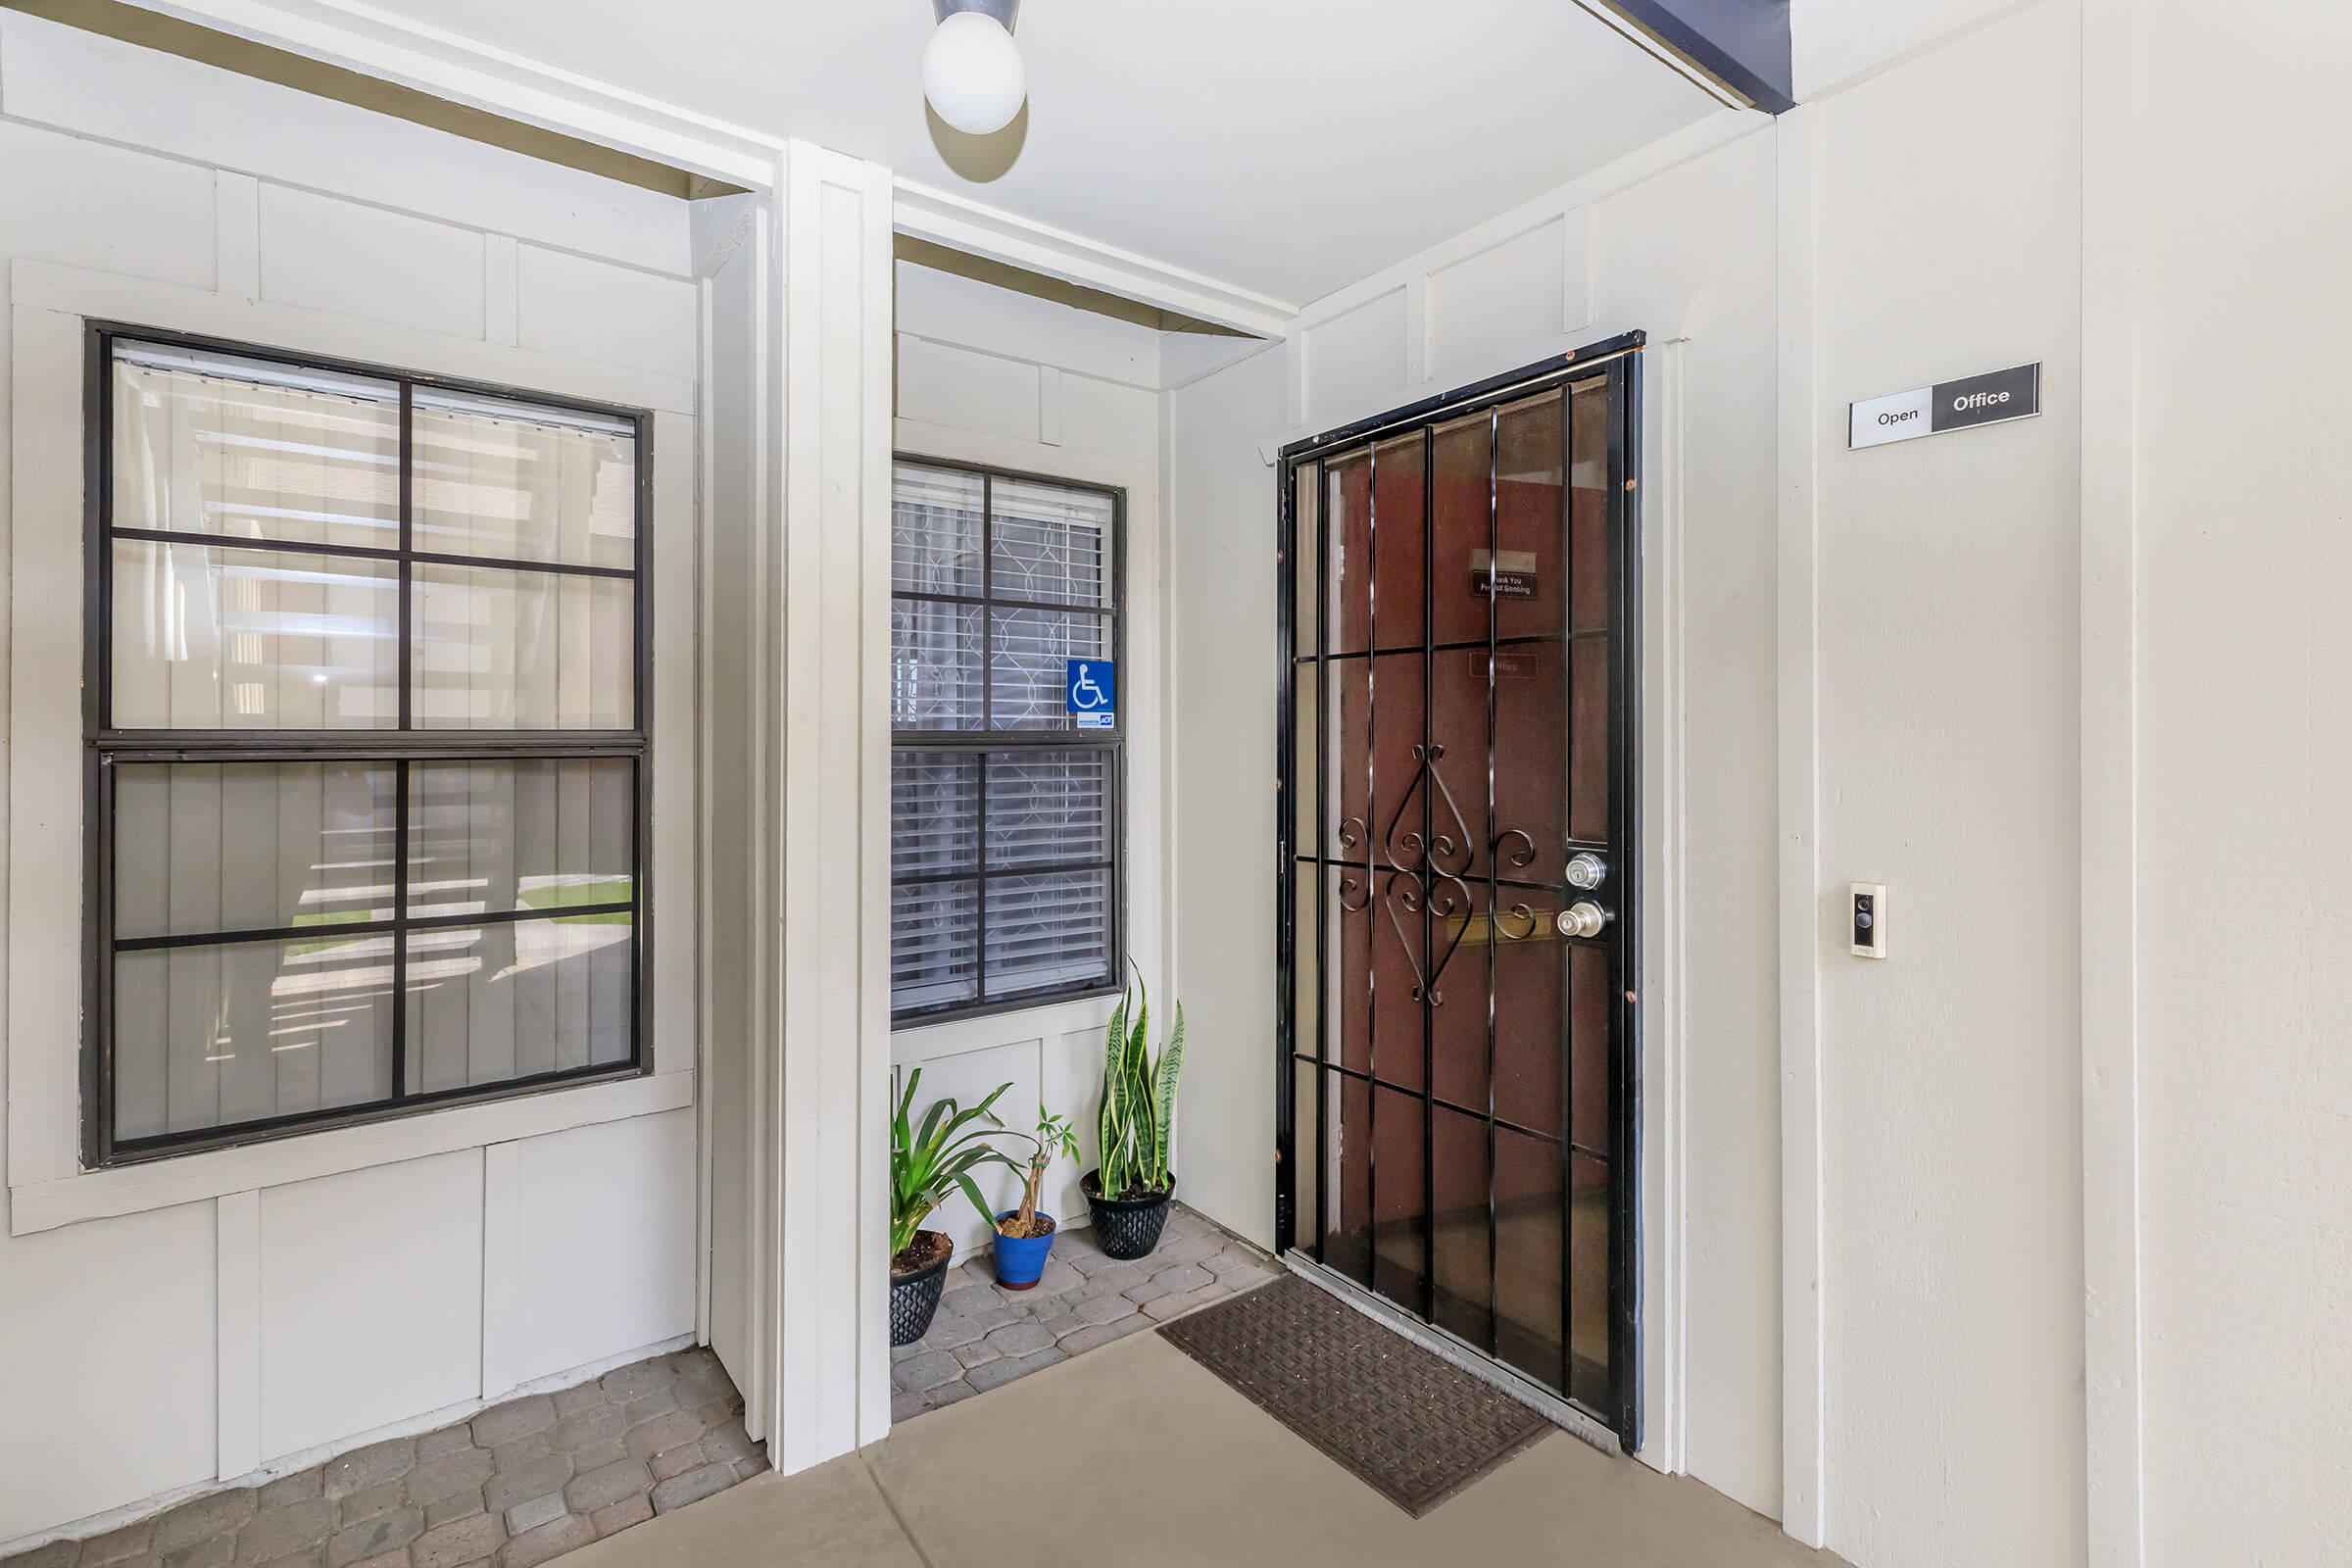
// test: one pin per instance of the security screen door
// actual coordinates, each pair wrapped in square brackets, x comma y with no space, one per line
[1459,846]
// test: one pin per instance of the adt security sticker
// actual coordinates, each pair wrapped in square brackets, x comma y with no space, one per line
[1092,692]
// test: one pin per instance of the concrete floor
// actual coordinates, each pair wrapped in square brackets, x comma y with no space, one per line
[1134,1454]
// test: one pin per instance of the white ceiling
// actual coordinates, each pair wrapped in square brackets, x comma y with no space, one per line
[1285,146]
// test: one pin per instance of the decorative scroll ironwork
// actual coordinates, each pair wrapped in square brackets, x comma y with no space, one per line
[1411,851]
[1518,912]
[1518,860]
[1442,904]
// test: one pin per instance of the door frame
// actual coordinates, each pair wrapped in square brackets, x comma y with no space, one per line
[1619,358]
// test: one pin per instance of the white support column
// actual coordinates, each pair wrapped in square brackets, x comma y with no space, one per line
[828,1310]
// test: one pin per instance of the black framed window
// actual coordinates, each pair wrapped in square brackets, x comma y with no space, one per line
[368,770]
[1007,830]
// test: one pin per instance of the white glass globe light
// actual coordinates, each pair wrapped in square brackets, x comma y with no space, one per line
[972,74]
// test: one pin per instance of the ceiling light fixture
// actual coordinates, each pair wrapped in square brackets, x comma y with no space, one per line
[972,69]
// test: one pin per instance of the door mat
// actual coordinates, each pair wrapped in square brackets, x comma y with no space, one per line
[1410,1426]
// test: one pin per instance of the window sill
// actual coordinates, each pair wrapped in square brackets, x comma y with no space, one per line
[43,1206]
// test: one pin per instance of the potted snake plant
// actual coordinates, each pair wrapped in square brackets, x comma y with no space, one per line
[1128,1196]
[927,1164]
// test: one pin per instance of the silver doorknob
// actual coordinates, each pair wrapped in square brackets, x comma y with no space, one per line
[1582,918]
[1587,870]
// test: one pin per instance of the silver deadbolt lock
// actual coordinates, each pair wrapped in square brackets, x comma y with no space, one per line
[1582,918]
[1587,870]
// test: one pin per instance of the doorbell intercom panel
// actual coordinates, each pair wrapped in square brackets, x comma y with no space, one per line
[1869,919]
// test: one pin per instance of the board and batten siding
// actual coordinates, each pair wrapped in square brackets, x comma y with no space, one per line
[310,1299]
[991,376]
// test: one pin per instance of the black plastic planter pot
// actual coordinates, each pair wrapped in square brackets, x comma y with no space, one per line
[1126,1227]
[913,1298]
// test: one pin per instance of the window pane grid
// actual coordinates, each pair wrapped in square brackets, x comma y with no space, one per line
[273,916]
[1005,818]
[262,519]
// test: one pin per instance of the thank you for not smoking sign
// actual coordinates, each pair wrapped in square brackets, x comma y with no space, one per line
[1989,399]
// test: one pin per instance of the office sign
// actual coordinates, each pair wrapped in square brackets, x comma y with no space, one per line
[1989,399]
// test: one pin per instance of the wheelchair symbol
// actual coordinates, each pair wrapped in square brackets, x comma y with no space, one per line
[1085,695]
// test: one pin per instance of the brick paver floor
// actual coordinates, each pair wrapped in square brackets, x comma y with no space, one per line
[516,1484]
[986,1336]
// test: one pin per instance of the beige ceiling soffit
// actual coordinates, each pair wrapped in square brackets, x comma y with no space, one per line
[168,34]
[464,73]
[1675,60]
[1021,280]
[926,212]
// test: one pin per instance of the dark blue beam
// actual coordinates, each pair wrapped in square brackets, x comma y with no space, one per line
[1742,44]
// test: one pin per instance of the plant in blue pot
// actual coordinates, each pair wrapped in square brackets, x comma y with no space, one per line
[1025,1235]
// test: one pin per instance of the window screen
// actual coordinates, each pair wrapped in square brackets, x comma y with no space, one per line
[366,659]
[1006,814]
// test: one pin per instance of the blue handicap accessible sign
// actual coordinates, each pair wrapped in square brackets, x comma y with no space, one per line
[1092,691]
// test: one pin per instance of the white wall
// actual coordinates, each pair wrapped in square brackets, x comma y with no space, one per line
[284,1310]
[993,376]
[2244,773]
[1223,655]
[733,263]
[1836,43]
[1945,664]
[1934,1227]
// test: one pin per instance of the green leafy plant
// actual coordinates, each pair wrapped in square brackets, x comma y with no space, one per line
[929,1162]
[1055,1137]
[1138,1098]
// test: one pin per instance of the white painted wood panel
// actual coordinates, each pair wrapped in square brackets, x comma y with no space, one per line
[1355,361]
[1106,416]
[942,383]
[2235,993]
[371,1299]
[107,1353]
[1485,310]
[238,1321]
[828,1238]
[734,664]
[603,1242]
[325,253]
[572,304]
[116,92]
[945,308]
[157,220]
[1221,562]
[1951,1102]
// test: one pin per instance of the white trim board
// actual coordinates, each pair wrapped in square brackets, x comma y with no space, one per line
[2114,1433]
[463,71]
[1804,1316]
[960,223]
